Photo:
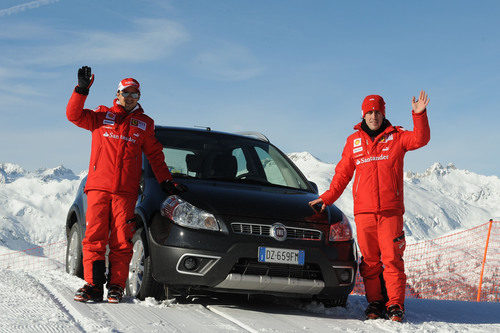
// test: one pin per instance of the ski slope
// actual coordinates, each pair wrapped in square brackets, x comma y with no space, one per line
[42,301]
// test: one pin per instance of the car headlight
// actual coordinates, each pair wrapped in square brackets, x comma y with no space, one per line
[340,231]
[183,213]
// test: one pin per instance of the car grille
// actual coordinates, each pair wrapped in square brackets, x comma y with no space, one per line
[265,230]
[249,266]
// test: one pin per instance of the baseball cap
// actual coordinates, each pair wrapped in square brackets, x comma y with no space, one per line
[129,82]
[373,103]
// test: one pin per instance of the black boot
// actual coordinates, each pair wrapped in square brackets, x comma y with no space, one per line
[89,293]
[115,293]
[375,310]
[396,312]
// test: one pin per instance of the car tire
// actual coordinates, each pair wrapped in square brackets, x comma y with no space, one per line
[140,281]
[74,254]
[337,301]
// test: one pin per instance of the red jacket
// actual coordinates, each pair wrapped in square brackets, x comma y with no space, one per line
[378,185]
[118,139]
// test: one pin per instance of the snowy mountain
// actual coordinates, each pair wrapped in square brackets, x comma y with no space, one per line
[33,205]
[438,201]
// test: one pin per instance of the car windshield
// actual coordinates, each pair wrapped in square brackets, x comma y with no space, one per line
[215,156]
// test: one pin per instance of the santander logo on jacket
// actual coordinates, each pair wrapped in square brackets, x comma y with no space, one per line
[378,183]
[118,140]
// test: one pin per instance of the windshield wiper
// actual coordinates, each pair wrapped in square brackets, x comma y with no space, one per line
[250,181]
[225,179]
[253,181]
[181,175]
[242,180]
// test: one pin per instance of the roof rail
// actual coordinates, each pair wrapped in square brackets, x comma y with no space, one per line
[257,135]
[205,127]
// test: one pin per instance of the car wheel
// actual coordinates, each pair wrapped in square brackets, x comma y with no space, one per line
[337,301]
[140,282]
[74,254]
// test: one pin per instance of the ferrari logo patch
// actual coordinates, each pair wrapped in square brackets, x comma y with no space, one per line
[138,123]
[386,138]
[110,115]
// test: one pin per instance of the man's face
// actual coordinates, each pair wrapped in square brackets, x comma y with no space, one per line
[128,102]
[374,119]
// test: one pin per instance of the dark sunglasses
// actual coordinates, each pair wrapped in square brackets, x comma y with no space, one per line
[127,94]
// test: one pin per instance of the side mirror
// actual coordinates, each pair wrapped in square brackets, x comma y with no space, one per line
[314,186]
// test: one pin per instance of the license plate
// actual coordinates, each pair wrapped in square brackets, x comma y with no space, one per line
[281,256]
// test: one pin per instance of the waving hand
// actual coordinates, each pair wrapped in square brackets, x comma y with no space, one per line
[421,104]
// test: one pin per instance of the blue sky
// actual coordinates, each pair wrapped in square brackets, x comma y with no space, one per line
[296,71]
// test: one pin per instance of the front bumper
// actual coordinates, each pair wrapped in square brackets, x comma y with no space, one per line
[228,262]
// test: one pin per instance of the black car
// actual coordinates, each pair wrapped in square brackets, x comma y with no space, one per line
[244,225]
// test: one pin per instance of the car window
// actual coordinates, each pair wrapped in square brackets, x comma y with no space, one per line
[272,171]
[176,161]
[241,161]
[216,156]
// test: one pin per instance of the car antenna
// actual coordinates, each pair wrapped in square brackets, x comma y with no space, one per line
[205,127]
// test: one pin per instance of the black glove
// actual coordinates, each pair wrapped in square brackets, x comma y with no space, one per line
[172,188]
[85,80]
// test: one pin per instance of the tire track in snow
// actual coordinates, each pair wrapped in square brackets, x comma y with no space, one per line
[27,306]
[88,318]
[232,319]
[132,315]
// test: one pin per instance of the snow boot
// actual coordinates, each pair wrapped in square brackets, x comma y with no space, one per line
[375,310]
[396,312]
[89,293]
[115,293]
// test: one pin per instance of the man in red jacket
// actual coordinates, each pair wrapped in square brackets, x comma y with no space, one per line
[119,136]
[376,152]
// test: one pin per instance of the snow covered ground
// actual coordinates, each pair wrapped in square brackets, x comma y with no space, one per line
[33,207]
[42,301]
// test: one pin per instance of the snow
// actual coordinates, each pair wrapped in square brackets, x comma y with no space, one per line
[33,205]
[42,301]
[33,208]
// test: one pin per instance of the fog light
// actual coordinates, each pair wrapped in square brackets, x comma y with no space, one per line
[191,263]
[345,275]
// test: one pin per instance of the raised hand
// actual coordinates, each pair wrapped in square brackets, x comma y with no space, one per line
[85,77]
[421,104]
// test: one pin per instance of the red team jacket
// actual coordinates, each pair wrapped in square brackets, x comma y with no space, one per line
[378,184]
[118,139]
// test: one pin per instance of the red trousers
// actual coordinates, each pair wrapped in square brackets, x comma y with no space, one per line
[106,219]
[381,241]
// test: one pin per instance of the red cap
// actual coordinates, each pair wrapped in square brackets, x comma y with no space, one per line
[129,82]
[373,103]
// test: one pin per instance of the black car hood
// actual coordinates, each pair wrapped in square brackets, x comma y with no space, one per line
[267,202]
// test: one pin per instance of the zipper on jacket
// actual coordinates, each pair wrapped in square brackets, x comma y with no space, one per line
[97,157]
[357,185]
[395,184]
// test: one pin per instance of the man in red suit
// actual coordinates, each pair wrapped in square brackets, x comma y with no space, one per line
[119,136]
[376,152]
